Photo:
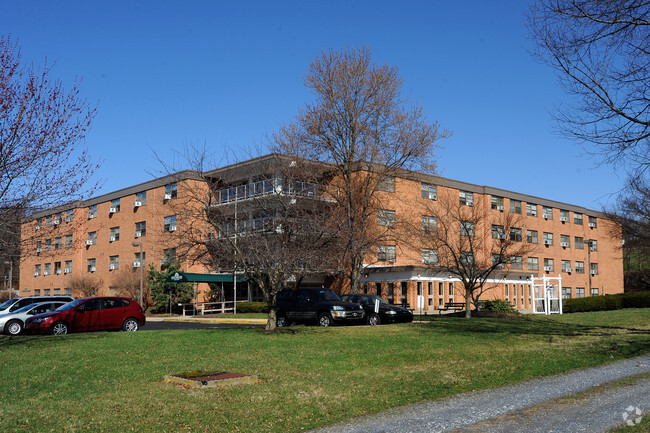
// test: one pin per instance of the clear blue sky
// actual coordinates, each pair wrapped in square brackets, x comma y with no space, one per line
[227,73]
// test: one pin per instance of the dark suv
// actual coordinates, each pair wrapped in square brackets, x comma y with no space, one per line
[320,306]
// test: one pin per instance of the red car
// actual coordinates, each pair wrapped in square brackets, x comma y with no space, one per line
[89,314]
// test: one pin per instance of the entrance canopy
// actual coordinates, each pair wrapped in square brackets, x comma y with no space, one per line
[188,277]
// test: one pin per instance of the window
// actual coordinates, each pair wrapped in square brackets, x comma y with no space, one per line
[68,267]
[387,184]
[565,241]
[171,190]
[578,242]
[566,266]
[57,243]
[68,241]
[57,292]
[548,238]
[498,232]
[386,253]
[531,209]
[466,228]
[547,213]
[115,234]
[68,291]
[48,244]
[92,238]
[140,261]
[429,191]
[39,223]
[92,211]
[47,292]
[39,246]
[429,223]
[385,218]
[592,222]
[429,256]
[549,265]
[69,215]
[91,265]
[531,236]
[114,263]
[47,270]
[516,262]
[593,245]
[466,198]
[498,260]
[594,292]
[115,206]
[577,218]
[37,292]
[566,292]
[593,268]
[57,268]
[580,267]
[169,256]
[564,216]
[497,202]
[580,292]
[37,270]
[533,264]
[140,199]
[170,223]
[515,206]
[515,234]
[466,259]
[140,229]
[48,221]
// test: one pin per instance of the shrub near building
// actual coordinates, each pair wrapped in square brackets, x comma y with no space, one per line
[607,302]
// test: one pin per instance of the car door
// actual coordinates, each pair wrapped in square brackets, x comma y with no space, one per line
[88,316]
[307,310]
[114,311]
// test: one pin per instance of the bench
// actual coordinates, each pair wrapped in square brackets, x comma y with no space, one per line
[456,306]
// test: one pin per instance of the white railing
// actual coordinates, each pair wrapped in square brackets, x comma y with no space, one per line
[201,308]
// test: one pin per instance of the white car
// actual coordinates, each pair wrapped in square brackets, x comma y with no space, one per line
[13,323]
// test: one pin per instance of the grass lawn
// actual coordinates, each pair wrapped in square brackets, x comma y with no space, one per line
[112,381]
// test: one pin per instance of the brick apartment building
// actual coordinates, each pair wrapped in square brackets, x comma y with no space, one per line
[101,238]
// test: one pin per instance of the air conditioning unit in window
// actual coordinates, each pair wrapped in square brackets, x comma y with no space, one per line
[568,270]
[56,222]
[564,219]
[138,234]
[501,208]
[167,197]
[594,272]
[90,242]
[548,242]
[47,273]
[36,274]
[58,272]
[112,210]
[433,196]
[37,227]
[111,239]
[470,203]
[172,228]
[135,264]
[547,268]
[592,225]
[111,267]
[91,269]
[137,203]
[91,216]
[502,237]
[38,250]
[592,248]
[564,244]
[66,271]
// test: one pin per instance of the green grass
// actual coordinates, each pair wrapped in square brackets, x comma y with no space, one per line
[112,382]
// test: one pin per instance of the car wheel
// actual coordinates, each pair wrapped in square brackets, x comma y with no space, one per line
[14,327]
[324,320]
[373,320]
[60,328]
[130,325]
[281,321]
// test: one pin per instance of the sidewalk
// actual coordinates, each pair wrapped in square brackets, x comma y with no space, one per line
[538,405]
[207,319]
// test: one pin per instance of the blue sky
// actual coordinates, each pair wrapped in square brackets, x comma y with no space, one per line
[166,74]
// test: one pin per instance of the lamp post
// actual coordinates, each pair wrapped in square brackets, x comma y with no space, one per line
[11,268]
[139,244]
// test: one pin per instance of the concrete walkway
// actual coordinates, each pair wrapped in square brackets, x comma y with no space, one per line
[589,400]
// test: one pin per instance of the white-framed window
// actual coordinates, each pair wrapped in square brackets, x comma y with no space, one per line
[92,212]
[594,292]
[57,268]
[498,259]
[566,266]
[515,206]
[547,212]
[48,244]
[498,232]
[39,224]
[565,241]
[533,264]
[58,243]
[593,268]
[580,267]
[140,229]
[577,218]
[531,236]
[593,245]
[68,267]
[466,228]
[114,263]
[171,190]
[549,265]
[564,216]
[516,262]
[429,256]
[115,205]
[566,292]
[386,217]
[92,265]
[69,215]
[386,253]
[515,234]
[141,198]
[47,269]
[592,222]
[548,238]
[580,292]
[387,184]
[140,259]
[92,238]
[429,223]
[37,270]
[429,191]
[68,241]
[578,242]
[170,223]
[531,209]
[497,203]
[114,234]
[466,198]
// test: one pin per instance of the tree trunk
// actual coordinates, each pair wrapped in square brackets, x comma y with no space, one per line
[272,323]
[468,303]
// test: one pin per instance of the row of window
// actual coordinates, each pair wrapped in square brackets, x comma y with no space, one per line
[532,237]
[53,292]
[114,264]
[171,191]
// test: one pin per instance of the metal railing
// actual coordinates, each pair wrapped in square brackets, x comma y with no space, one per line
[201,308]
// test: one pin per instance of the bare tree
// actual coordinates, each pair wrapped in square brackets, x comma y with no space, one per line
[126,282]
[457,238]
[361,125]
[601,52]
[85,286]
[42,163]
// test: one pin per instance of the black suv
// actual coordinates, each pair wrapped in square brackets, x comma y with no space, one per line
[321,306]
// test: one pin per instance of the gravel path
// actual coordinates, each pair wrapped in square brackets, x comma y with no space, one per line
[528,406]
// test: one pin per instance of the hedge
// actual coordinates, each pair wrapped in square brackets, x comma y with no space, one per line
[252,307]
[607,302]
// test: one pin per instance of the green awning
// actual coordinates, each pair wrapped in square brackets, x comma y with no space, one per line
[188,277]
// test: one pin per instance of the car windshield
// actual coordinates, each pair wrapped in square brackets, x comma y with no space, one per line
[70,305]
[370,300]
[327,295]
[25,308]
[7,304]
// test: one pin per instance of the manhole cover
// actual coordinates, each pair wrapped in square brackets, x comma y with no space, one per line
[210,379]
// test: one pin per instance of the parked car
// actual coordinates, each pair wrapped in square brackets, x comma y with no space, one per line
[14,323]
[387,313]
[322,306]
[89,314]
[17,303]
